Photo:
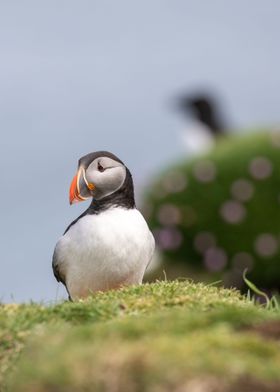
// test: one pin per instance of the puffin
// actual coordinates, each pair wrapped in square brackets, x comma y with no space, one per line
[207,125]
[110,244]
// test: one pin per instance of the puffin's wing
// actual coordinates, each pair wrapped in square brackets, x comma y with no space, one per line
[56,266]
[57,261]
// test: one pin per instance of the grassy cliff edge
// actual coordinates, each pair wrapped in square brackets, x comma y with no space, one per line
[156,337]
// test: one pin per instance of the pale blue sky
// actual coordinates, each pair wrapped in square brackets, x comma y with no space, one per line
[78,76]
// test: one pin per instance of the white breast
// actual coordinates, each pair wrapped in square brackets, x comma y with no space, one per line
[105,251]
[197,139]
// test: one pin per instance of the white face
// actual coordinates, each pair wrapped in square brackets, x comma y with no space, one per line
[106,176]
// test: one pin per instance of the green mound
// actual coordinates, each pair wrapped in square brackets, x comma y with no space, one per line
[156,337]
[220,213]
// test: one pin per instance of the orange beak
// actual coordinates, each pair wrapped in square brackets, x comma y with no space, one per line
[75,190]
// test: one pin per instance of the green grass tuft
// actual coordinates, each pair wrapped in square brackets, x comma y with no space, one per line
[162,336]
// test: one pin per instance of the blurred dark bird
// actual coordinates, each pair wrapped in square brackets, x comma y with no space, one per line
[207,124]
[110,244]
[205,109]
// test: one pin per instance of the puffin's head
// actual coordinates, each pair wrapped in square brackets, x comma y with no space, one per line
[99,174]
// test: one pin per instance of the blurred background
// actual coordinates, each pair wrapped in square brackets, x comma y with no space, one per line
[185,92]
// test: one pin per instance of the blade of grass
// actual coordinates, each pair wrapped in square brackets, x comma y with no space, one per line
[255,289]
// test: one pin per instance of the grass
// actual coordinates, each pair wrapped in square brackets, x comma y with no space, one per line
[155,337]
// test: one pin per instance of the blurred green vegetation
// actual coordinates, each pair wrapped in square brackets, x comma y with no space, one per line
[155,337]
[219,214]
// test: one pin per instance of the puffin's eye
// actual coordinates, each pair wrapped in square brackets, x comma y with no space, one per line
[100,167]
